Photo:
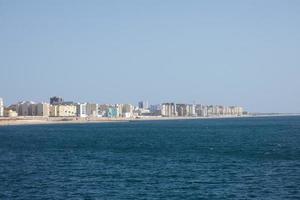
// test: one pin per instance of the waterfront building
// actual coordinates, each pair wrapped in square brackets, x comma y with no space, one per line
[143,105]
[155,109]
[112,112]
[81,109]
[92,109]
[63,111]
[168,110]
[201,110]
[103,109]
[29,108]
[1,108]
[42,109]
[124,108]
[204,112]
[236,110]
[10,113]
[185,110]
[191,108]
[25,108]
[127,115]
[181,110]
[127,108]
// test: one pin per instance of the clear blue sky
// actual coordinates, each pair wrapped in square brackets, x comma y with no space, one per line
[213,52]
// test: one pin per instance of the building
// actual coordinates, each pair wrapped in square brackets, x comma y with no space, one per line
[201,110]
[32,109]
[42,109]
[127,108]
[63,111]
[26,108]
[112,112]
[236,110]
[103,109]
[181,110]
[56,100]
[185,110]
[143,105]
[29,108]
[1,108]
[92,109]
[168,110]
[10,113]
[155,109]
[81,109]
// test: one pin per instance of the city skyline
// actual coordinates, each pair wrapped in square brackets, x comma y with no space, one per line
[231,53]
[58,107]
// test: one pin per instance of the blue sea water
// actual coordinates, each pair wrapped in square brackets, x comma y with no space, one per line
[245,158]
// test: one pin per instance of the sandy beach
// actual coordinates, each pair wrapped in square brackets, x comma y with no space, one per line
[28,120]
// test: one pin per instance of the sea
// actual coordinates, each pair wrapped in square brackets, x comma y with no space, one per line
[238,158]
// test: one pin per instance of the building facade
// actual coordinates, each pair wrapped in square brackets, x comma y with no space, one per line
[168,110]
[25,108]
[112,112]
[10,113]
[43,109]
[56,100]
[63,111]
[143,105]
[1,108]
[92,109]
[81,109]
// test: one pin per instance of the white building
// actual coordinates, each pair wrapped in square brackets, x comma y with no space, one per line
[81,109]
[168,110]
[1,108]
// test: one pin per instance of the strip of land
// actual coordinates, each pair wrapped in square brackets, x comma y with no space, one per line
[77,120]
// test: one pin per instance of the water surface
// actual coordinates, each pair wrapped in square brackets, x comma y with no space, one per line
[249,158]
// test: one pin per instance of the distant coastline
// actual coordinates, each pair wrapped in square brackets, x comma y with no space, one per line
[5,121]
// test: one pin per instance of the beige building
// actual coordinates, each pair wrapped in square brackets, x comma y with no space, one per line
[10,113]
[92,109]
[63,111]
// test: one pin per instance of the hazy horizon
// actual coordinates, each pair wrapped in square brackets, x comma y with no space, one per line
[211,52]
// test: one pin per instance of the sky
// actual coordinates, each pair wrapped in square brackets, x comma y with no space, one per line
[211,52]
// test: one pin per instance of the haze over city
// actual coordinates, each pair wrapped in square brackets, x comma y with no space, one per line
[230,53]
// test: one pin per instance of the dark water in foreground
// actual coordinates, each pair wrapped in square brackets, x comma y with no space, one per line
[256,158]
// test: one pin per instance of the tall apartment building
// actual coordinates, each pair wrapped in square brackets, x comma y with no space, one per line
[92,109]
[103,109]
[155,109]
[181,110]
[168,110]
[25,108]
[185,110]
[42,109]
[1,108]
[112,112]
[81,109]
[143,105]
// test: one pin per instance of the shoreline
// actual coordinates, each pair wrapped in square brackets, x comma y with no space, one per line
[77,120]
